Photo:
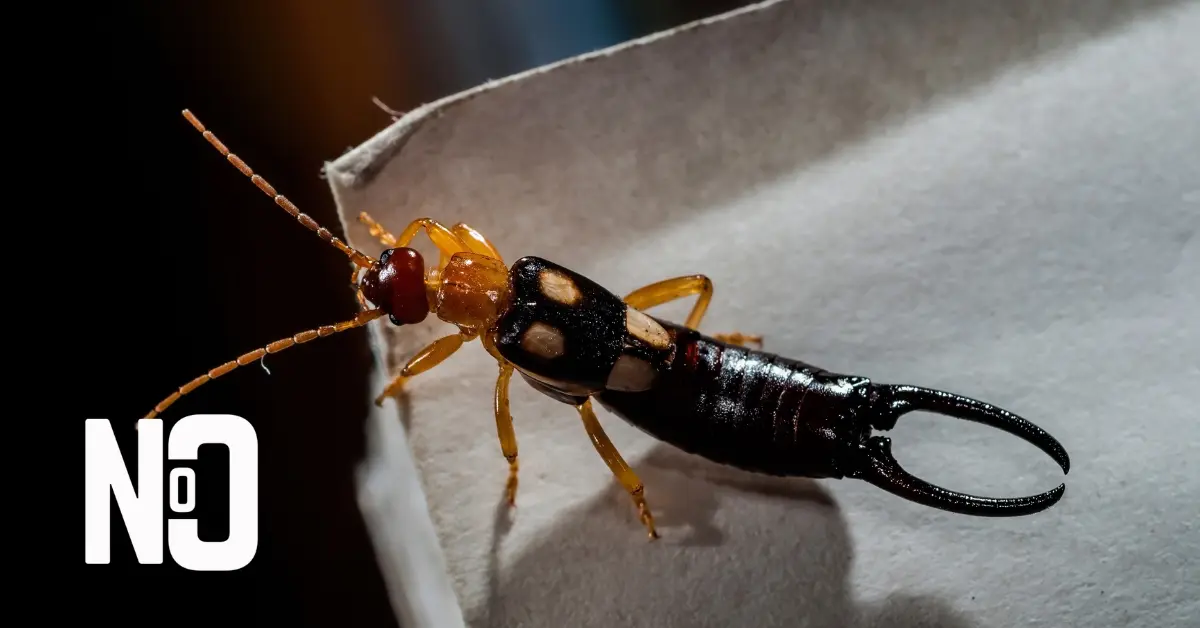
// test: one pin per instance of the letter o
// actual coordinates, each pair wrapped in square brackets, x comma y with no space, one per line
[190,476]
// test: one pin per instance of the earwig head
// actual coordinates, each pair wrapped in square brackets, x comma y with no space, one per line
[396,284]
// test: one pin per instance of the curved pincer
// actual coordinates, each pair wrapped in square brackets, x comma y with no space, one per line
[888,403]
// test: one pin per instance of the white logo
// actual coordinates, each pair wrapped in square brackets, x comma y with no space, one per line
[143,512]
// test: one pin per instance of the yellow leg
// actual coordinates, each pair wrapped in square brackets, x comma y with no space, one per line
[504,421]
[671,289]
[739,339]
[678,288]
[447,242]
[616,463]
[476,241]
[424,360]
[377,230]
[443,238]
[504,428]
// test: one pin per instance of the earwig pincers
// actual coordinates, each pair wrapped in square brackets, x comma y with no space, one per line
[573,340]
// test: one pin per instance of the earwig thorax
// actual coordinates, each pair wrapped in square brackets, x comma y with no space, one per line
[473,292]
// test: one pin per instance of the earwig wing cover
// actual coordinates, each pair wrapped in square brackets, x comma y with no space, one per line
[997,199]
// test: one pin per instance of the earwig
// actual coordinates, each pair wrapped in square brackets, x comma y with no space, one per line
[573,340]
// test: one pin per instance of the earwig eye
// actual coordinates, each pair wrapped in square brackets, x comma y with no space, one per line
[383,257]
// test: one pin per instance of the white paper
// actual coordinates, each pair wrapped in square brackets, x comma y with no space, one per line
[995,199]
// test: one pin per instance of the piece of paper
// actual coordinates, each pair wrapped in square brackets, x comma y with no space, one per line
[999,200]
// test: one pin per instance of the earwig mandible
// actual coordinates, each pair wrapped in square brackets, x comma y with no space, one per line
[573,340]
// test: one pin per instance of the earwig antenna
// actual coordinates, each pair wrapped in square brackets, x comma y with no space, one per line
[258,354]
[358,258]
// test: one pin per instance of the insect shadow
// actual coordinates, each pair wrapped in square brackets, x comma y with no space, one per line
[694,504]
[737,549]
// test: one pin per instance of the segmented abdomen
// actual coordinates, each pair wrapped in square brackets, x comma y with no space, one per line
[746,408]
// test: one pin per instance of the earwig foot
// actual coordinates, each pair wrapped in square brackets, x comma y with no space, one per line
[377,230]
[647,520]
[625,476]
[510,488]
[392,389]
[644,515]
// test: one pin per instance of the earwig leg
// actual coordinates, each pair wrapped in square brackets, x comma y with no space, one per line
[671,289]
[443,238]
[427,358]
[504,422]
[377,230]
[504,428]
[739,339]
[476,241]
[616,463]
[679,287]
[446,241]
[460,238]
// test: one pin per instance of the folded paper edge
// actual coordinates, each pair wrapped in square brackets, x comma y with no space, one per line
[359,166]
[418,581]
[415,573]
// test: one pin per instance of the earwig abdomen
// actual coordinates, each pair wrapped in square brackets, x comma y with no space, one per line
[750,409]
[571,339]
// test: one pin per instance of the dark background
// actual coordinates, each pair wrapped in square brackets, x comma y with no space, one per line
[196,266]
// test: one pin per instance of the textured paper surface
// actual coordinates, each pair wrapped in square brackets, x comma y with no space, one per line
[995,199]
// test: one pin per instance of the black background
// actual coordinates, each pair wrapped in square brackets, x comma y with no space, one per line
[178,264]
